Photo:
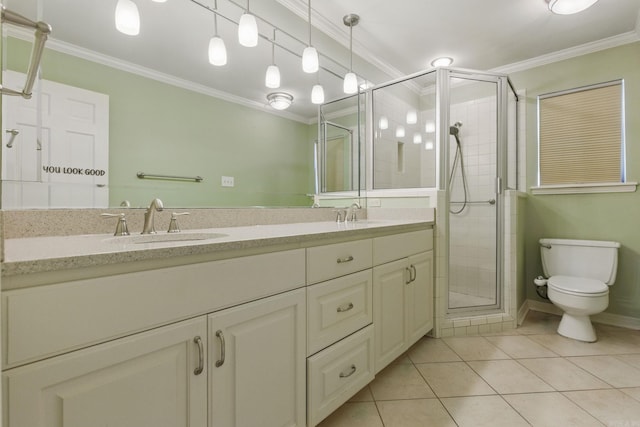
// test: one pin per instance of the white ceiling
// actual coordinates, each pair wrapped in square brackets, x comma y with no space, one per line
[393,38]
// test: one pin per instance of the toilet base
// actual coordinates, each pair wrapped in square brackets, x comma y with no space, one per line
[577,327]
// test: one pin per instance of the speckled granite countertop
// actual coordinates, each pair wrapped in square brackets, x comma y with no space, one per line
[37,255]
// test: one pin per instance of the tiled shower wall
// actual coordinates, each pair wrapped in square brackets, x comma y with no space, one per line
[472,269]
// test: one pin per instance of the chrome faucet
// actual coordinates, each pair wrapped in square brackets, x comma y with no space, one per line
[351,212]
[149,227]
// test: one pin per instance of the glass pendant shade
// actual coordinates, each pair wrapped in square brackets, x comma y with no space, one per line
[383,123]
[428,145]
[350,83]
[430,127]
[568,7]
[272,77]
[248,30]
[412,117]
[417,138]
[127,18]
[310,62]
[400,132]
[317,94]
[217,52]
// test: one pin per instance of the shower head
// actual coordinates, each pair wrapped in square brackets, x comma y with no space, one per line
[453,130]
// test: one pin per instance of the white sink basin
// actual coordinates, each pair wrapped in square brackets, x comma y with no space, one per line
[166,238]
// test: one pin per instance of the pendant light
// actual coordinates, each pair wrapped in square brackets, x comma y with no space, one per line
[417,138]
[317,93]
[350,80]
[248,29]
[310,63]
[400,132]
[272,77]
[412,117]
[217,49]
[127,18]
[569,7]
[383,123]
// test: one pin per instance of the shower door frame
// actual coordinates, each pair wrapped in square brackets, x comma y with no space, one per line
[443,100]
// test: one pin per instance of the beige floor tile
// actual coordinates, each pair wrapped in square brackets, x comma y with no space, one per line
[363,414]
[363,395]
[429,350]
[400,381]
[550,410]
[562,374]
[633,392]
[475,348]
[611,407]
[415,413]
[537,322]
[519,346]
[454,379]
[568,347]
[609,369]
[508,376]
[483,411]
[631,359]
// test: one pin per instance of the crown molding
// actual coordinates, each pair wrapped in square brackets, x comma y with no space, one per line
[572,52]
[119,64]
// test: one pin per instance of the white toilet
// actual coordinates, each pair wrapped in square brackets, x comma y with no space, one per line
[579,275]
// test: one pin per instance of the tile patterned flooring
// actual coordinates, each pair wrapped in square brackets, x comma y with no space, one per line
[529,376]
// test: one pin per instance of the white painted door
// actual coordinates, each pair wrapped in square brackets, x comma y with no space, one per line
[147,379]
[419,297]
[389,288]
[59,156]
[257,363]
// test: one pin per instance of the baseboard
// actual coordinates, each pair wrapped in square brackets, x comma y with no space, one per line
[604,318]
[522,312]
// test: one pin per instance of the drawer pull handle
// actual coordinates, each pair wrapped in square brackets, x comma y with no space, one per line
[415,273]
[344,307]
[345,259]
[408,271]
[220,336]
[200,367]
[352,370]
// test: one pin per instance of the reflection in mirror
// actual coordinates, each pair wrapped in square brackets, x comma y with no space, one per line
[341,146]
[148,122]
[404,148]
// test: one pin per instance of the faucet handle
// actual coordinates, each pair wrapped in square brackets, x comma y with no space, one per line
[341,215]
[121,226]
[173,224]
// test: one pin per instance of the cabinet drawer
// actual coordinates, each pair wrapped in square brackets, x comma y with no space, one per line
[337,373]
[330,261]
[391,248]
[338,308]
[118,305]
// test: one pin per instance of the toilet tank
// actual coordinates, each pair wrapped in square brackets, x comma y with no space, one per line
[593,259]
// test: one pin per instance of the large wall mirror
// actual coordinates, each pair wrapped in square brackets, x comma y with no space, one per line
[97,120]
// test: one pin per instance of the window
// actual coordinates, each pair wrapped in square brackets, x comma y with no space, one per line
[581,137]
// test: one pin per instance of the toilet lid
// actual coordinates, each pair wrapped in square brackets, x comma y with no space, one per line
[577,285]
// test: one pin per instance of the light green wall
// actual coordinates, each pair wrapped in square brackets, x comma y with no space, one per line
[614,216]
[159,128]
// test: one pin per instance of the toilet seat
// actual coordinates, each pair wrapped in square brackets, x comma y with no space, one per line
[579,286]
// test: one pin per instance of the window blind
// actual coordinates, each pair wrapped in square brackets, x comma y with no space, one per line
[581,136]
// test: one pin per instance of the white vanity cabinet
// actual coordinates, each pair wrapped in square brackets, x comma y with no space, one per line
[156,378]
[402,293]
[257,363]
[339,329]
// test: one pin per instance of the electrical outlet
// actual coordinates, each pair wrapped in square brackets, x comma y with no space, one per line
[227,181]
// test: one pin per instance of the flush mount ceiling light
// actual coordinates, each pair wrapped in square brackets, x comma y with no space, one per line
[350,85]
[127,18]
[280,100]
[568,7]
[310,61]
[443,61]
[248,29]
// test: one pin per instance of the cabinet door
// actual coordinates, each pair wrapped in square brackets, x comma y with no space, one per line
[389,286]
[419,297]
[147,379]
[257,363]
